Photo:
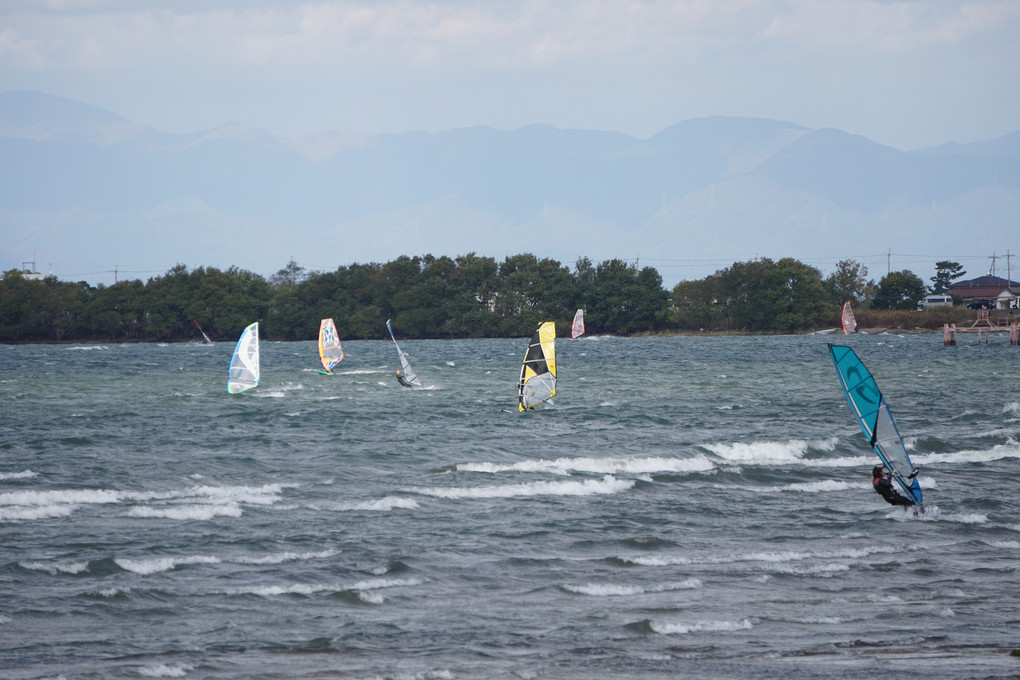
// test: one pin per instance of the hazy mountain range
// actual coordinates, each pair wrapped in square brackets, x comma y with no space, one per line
[86,191]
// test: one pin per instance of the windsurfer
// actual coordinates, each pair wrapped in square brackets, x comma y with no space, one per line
[400,379]
[882,482]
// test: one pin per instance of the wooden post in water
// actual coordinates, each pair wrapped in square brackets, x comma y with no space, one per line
[948,335]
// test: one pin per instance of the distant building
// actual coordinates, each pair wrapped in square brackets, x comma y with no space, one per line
[1003,291]
[29,273]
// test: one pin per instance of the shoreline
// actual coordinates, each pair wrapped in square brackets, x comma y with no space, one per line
[917,330]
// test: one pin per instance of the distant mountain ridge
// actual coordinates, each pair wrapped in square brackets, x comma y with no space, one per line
[88,189]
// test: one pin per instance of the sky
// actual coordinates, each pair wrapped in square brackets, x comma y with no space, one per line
[906,73]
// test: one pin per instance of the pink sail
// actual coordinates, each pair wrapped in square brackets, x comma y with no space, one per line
[577,328]
[849,322]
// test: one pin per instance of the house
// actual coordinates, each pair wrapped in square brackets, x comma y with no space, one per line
[1005,292]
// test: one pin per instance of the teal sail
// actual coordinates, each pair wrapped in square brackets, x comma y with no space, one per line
[876,421]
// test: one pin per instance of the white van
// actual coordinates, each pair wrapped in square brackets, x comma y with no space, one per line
[935,301]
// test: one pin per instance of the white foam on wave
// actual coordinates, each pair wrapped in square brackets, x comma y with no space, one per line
[1008,449]
[55,568]
[381,505]
[35,505]
[1012,407]
[800,487]
[309,589]
[85,348]
[677,628]
[285,557]
[60,497]
[565,466]
[784,556]
[156,565]
[811,570]
[612,589]
[204,501]
[159,564]
[186,512]
[970,518]
[165,670]
[590,487]
[769,452]
[14,514]
[24,474]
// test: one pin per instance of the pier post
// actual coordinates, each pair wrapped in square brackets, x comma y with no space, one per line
[948,335]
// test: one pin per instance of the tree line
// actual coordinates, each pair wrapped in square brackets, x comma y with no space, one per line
[469,296]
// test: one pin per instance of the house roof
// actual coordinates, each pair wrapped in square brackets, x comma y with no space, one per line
[987,281]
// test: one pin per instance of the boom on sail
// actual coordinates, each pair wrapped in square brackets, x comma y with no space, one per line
[876,421]
[243,373]
[538,372]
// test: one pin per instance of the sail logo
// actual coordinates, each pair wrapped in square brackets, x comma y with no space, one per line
[866,390]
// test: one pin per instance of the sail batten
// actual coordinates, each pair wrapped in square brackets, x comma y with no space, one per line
[406,373]
[538,371]
[244,371]
[330,351]
[875,419]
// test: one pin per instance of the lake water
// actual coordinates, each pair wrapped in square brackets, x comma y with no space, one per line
[688,507]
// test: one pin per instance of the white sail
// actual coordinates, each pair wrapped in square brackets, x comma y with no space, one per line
[204,336]
[406,375]
[577,327]
[244,365]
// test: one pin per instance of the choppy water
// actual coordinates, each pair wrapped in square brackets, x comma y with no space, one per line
[690,507]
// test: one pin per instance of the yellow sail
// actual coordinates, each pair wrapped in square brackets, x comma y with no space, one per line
[330,351]
[538,372]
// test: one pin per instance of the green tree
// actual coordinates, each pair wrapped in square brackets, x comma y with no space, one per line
[763,295]
[695,304]
[898,290]
[945,273]
[848,283]
[291,274]
[624,299]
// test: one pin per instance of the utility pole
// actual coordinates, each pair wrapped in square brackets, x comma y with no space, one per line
[991,270]
[888,262]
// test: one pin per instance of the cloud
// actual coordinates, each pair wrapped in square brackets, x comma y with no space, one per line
[888,26]
[83,34]
[869,66]
[26,52]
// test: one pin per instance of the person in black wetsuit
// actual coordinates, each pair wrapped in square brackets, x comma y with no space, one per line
[882,482]
[402,380]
